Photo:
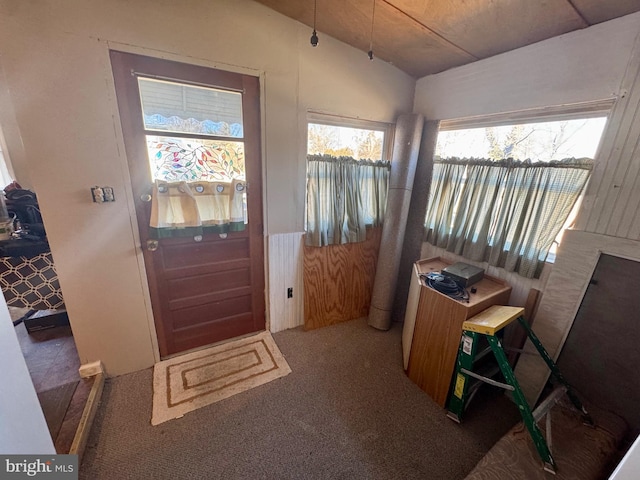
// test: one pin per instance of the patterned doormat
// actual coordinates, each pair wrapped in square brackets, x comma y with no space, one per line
[188,382]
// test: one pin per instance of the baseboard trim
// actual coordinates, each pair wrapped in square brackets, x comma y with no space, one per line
[91,369]
[88,414]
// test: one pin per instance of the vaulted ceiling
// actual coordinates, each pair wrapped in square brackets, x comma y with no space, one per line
[422,37]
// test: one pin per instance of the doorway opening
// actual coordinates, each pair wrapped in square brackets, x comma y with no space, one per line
[192,139]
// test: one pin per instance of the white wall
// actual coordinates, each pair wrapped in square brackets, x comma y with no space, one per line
[60,118]
[580,66]
[24,429]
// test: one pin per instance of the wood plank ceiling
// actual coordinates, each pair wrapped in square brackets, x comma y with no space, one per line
[422,37]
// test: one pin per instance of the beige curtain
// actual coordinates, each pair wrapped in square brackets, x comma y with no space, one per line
[186,209]
[173,206]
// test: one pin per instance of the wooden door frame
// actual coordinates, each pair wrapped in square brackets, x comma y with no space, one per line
[124,66]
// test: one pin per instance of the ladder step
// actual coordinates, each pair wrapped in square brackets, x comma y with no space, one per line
[477,383]
[488,380]
[487,371]
[492,320]
[548,403]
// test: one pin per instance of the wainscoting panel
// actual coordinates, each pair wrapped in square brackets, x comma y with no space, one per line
[285,271]
[338,280]
[612,201]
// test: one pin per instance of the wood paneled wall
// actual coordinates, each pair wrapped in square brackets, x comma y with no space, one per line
[338,280]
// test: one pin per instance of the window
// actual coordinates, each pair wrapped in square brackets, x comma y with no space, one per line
[206,123]
[196,153]
[503,194]
[540,141]
[340,141]
[347,178]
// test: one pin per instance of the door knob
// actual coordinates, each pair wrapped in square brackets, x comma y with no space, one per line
[152,245]
[145,198]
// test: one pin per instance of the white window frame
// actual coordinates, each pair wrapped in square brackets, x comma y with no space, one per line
[574,111]
[340,121]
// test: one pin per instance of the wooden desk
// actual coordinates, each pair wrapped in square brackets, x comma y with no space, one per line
[433,326]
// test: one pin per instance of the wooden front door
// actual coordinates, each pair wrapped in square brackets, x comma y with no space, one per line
[195,124]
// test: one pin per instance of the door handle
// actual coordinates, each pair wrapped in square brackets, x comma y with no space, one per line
[146,197]
[152,245]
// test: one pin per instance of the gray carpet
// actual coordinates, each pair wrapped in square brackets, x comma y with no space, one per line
[347,411]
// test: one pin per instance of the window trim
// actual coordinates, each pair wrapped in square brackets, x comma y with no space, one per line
[573,111]
[349,122]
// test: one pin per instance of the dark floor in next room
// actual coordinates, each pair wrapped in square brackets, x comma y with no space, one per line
[52,359]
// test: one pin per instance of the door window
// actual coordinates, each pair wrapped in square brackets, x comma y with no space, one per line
[206,141]
[173,159]
[184,108]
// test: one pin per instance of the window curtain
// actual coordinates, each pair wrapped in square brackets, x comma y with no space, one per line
[182,209]
[507,212]
[343,196]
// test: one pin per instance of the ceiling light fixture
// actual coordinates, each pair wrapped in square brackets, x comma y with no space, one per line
[373,14]
[314,35]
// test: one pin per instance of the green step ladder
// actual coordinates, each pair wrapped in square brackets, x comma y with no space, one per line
[489,324]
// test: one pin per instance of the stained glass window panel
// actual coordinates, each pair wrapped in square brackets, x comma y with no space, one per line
[177,107]
[185,159]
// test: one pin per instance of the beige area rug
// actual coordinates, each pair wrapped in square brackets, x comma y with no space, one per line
[188,382]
